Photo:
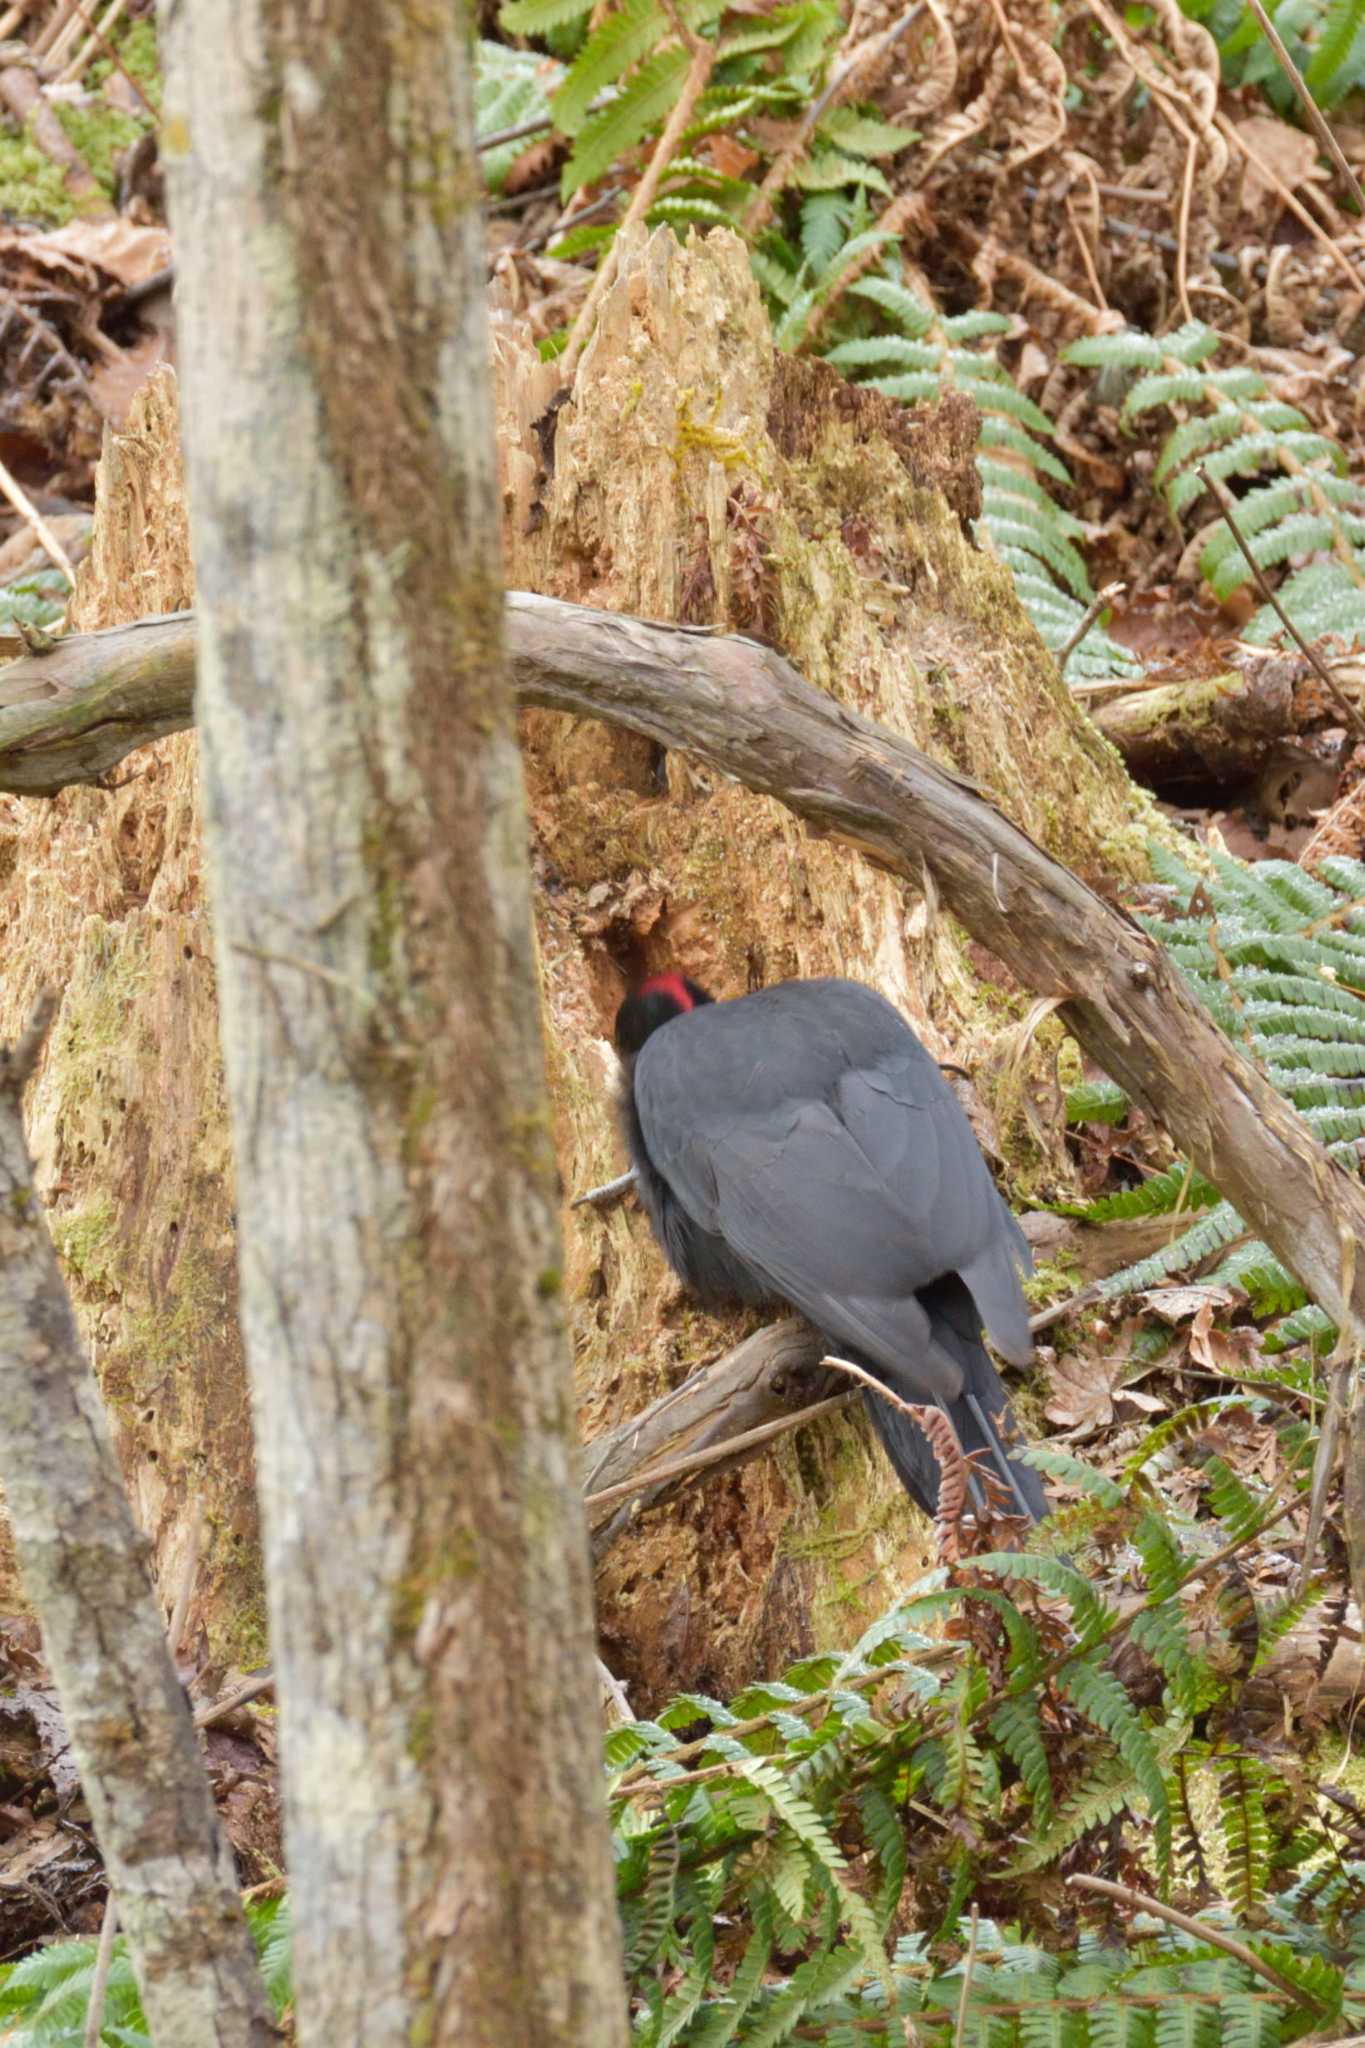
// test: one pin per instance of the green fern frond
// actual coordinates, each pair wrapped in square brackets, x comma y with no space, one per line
[1336,66]
[620,40]
[1216,1227]
[1101,1698]
[1308,506]
[1109,1788]
[1096,1102]
[510,86]
[1091,1616]
[1179,1186]
[831,170]
[1240,1508]
[1310,1325]
[858,133]
[1006,434]
[642,103]
[1160,1630]
[1261,419]
[539,17]
[1016,1726]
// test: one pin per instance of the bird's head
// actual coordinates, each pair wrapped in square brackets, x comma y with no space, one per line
[653,1003]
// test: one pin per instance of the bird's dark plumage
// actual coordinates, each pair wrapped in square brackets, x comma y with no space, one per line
[800,1145]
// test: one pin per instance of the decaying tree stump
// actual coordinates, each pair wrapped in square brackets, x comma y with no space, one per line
[696,474]
[100,897]
[693,474]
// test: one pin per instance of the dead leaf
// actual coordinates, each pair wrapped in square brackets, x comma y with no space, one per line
[1081,1391]
[1288,152]
[116,381]
[124,251]
[1182,1304]
[1226,1352]
[731,158]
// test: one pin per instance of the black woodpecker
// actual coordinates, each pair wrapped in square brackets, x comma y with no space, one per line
[800,1145]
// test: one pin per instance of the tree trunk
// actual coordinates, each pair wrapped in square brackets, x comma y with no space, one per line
[85,1571]
[365,831]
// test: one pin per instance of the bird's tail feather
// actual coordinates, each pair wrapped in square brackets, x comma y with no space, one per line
[980,1414]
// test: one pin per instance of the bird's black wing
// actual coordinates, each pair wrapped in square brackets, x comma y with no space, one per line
[849,1186]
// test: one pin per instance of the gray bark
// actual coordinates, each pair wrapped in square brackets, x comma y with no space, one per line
[85,1571]
[746,711]
[426,1544]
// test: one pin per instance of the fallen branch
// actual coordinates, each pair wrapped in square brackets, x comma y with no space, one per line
[1221,729]
[718,1417]
[1351,714]
[745,710]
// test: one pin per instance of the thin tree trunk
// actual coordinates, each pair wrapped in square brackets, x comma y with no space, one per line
[365,829]
[85,1570]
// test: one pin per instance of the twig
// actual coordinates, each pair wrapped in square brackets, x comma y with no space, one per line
[610,1191]
[1182,252]
[175,1633]
[642,198]
[615,1691]
[715,1454]
[1086,621]
[218,1710]
[510,201]
[1293,202]
[48,334]
[535,127]
[876,1386]
[1086,254]
[301,966]
[1046,1317]
[99,1976]
[837,87]
[1324,1464]
[968,1965]
[501,135]
[51,30]
[1202,1931]
[32,517]
[572,220]
[1351,718]
[99,39]
[1312,112]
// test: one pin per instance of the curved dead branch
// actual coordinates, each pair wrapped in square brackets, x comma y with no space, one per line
[69,715]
